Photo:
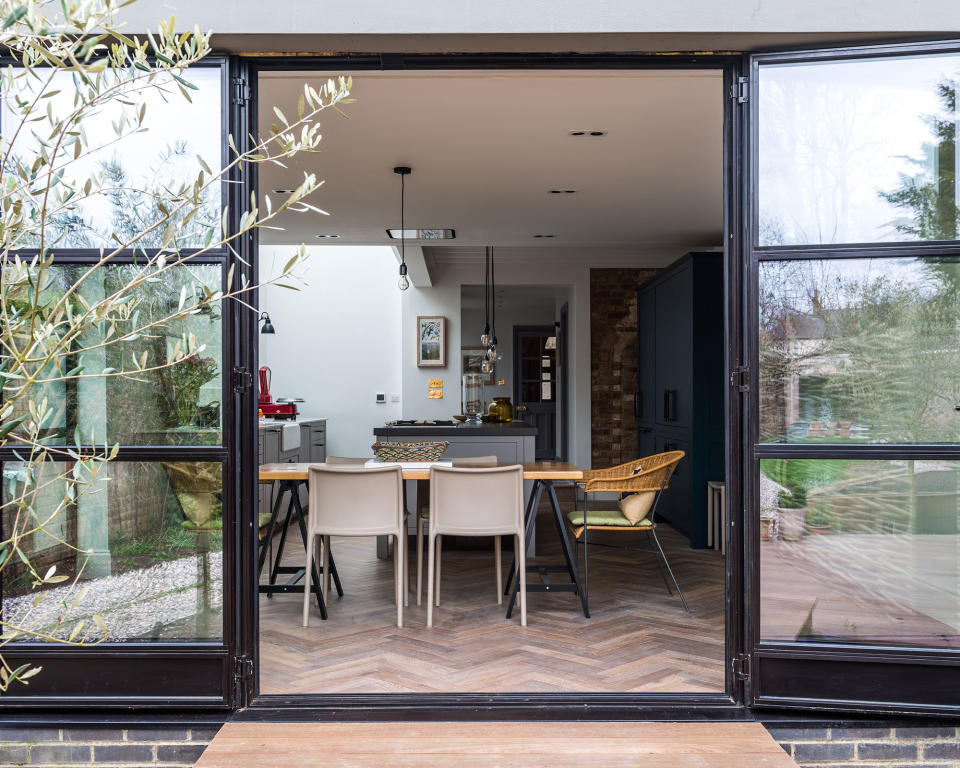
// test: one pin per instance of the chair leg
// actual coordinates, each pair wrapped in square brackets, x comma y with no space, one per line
[522,569]
[499,563]
[670,570]
[398,567]
[439,558]
[420,522]
[406,571]
[326,568]
[431,547]
[663,572]
[306,580]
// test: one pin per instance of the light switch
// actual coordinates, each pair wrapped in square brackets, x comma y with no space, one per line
[394,397]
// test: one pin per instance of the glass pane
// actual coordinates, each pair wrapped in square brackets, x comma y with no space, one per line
[143,539]
[530,346]
[860,351]
[530,368]
[858,151]
[177,405]
[531,391]
[860,552]
[157,161]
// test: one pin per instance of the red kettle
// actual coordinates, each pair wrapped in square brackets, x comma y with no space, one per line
[266,376]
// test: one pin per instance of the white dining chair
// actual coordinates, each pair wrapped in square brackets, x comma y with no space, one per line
[423,517]
[349,500]
[476,502]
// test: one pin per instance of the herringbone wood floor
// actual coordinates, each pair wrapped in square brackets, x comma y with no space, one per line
[638,639]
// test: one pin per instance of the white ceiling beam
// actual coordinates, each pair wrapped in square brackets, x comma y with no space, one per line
[417,269]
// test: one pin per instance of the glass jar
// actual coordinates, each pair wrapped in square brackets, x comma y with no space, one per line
[471,394]
[501,409]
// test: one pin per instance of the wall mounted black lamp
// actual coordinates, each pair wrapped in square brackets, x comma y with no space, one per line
[267,325]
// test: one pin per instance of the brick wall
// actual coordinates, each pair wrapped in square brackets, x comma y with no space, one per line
[613,363]
[103,746]
[871,747]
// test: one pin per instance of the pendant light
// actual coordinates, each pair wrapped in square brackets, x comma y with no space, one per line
[492,353]
[404,282]
[485,336]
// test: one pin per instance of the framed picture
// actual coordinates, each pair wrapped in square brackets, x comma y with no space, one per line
[471,361]
[431,341]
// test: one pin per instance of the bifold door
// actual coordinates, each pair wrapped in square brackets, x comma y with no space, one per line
[853,332]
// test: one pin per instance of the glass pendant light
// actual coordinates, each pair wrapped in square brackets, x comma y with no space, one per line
[404,282]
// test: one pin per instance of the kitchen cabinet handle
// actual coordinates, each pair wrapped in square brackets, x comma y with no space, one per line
[637,404]
[669,405]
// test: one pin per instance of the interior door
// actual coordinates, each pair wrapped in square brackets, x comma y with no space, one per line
[535,384]
[853,480]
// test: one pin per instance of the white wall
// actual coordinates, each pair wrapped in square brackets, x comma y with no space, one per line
[338,339]
[445,17]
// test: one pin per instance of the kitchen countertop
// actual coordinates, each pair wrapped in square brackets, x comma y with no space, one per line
[480,430]
[278,423]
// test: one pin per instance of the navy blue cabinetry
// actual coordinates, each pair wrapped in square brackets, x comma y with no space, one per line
[679,402]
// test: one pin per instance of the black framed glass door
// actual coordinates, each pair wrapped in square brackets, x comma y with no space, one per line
[154,543]
[853,311]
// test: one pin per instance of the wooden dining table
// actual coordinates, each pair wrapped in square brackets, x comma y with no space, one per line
[543,474]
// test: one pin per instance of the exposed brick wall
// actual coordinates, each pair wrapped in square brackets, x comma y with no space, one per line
[871,747]
[174,747]
[613,363]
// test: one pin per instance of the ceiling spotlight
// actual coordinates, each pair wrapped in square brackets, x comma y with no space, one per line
[544,235]
[283,191]
[563,191]
[326,237]
[594,133]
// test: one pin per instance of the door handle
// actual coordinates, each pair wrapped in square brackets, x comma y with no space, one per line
[637,405]
[521,408]
[669,405]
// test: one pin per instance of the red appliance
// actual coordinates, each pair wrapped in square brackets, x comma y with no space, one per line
[271,409]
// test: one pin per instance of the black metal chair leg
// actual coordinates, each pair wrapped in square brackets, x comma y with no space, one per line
[283,533]
[336,576]
[670,570]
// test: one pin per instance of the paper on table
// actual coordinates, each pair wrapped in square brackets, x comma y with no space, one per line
[409,464]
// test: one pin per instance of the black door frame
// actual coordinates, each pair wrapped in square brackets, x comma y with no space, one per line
[834,676]
[722,705]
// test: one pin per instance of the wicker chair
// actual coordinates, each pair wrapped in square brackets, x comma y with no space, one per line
[647,475]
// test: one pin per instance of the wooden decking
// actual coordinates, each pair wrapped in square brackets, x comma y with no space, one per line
[638,640]
[495,745]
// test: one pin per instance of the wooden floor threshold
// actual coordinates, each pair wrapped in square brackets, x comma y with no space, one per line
[495,745]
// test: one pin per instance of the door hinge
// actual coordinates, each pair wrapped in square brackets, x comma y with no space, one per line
[741,666]
[740,378]
[740,90]
[242,379]
[241,91]
[242,669]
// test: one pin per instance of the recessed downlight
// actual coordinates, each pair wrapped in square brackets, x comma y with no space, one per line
[563,191]
[283,191]
[596,132]
[544,235]
[327,236]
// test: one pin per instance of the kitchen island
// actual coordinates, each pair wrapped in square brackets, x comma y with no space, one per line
[512,443]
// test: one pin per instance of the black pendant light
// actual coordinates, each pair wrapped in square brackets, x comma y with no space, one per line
[492,353]
[485,336]
[404,282]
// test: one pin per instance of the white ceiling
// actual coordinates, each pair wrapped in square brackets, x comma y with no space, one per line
[487,146]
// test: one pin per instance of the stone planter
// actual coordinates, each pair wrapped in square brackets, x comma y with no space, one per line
[768,527]
[791,523]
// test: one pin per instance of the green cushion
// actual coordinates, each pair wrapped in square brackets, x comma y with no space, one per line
[610,517]
[263,519]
